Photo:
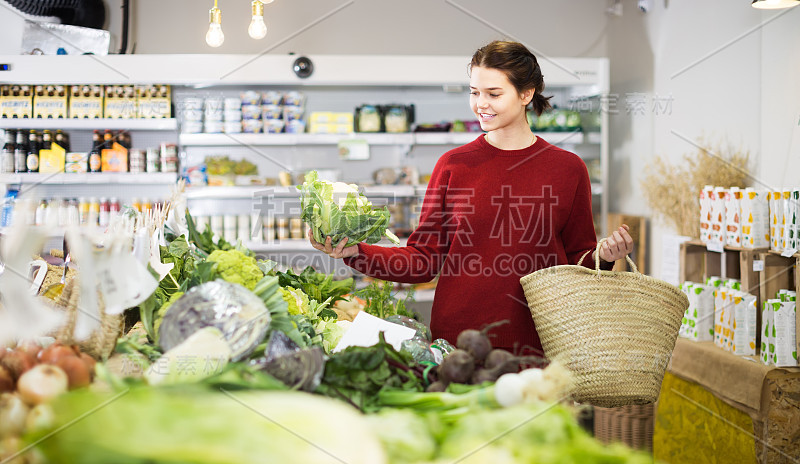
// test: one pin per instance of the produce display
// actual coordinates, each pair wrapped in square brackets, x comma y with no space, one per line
[234,360]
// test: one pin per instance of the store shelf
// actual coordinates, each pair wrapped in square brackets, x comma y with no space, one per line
[98,178]
[298,245]
[91,124]
[415,138]
[239,192]
[236,192]
[217,140]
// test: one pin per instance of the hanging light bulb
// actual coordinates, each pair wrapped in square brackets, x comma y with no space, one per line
[257,28]
[214,36]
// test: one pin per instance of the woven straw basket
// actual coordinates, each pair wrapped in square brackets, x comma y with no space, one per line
[614,330]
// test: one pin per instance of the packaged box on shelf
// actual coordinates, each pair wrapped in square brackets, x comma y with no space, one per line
[86,101]
[733,223]
[705,213]
[50,101]
[755,218]
[153,101]
[330,128]
[120,102]
[114,159]
[330,117]
[698,324]
[52,160]
[718,216]
[775,220]
[16,101]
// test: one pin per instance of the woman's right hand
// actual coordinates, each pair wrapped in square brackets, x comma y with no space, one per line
[339,252]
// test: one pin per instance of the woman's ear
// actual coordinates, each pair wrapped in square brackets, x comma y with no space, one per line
[527,96]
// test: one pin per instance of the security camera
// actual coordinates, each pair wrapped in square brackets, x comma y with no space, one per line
[303,67]
[644,5]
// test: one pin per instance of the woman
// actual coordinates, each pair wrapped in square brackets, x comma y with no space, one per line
[496,209]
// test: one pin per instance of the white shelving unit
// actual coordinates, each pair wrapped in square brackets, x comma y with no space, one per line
[96,178]
[165,124]
[416,138]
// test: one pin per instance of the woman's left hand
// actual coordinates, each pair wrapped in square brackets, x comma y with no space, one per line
[617,245]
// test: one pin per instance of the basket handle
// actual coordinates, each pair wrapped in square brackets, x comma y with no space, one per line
[597,259]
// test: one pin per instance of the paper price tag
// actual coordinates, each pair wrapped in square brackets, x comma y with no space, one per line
[365,329]
[758,265]
[123,280]
[788,253]
[716,247]
[353,149]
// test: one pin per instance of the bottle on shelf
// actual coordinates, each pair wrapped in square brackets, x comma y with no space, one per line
[32,160]
[21,153]
[62,140]
[8,152]
[94,212]
[40,217]
[95,159]
[114,208]
[47,140]
[83,211]
[103,216]
[108,140]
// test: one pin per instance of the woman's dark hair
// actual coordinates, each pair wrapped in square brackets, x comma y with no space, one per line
[519,65]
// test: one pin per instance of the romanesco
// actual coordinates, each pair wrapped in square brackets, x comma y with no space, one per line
[236,267]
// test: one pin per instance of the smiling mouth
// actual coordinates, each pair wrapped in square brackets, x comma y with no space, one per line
[486,116]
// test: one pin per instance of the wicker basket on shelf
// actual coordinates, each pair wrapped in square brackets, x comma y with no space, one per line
[100,344]
[631,425]
[614,330]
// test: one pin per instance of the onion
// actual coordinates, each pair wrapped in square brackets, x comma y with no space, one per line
[17,363]
[42,383]
[41,417]
[13,413]
[6,381]
[508,390]
[77,371]
[54,353]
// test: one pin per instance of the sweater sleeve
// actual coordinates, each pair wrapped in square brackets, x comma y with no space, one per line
[427,247]
[578,235]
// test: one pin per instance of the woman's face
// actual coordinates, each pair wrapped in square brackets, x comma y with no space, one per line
[495,101]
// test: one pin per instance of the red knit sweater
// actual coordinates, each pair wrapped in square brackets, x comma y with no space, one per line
[489,217]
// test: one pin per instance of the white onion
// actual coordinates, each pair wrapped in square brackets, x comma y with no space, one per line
[42,383]
[508,390]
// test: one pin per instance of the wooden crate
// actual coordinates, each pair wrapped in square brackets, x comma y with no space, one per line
[779,273]
[638,231]
[698,264]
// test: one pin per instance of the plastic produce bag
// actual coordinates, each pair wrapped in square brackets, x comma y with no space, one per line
[238,313]
[297,368]
[422,330]
[419,349]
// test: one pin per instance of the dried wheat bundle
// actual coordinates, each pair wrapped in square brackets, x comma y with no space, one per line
[672,190]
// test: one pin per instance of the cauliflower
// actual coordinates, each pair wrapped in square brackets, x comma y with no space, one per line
[236,267]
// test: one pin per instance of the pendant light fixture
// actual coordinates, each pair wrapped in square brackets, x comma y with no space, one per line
[774,4]
[214,36]
[257,28]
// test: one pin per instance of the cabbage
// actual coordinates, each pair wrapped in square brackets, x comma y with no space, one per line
[338,210]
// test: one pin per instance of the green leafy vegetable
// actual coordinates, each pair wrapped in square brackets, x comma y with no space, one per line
[356,374]
[381,301]
[316,285]
[338,210]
